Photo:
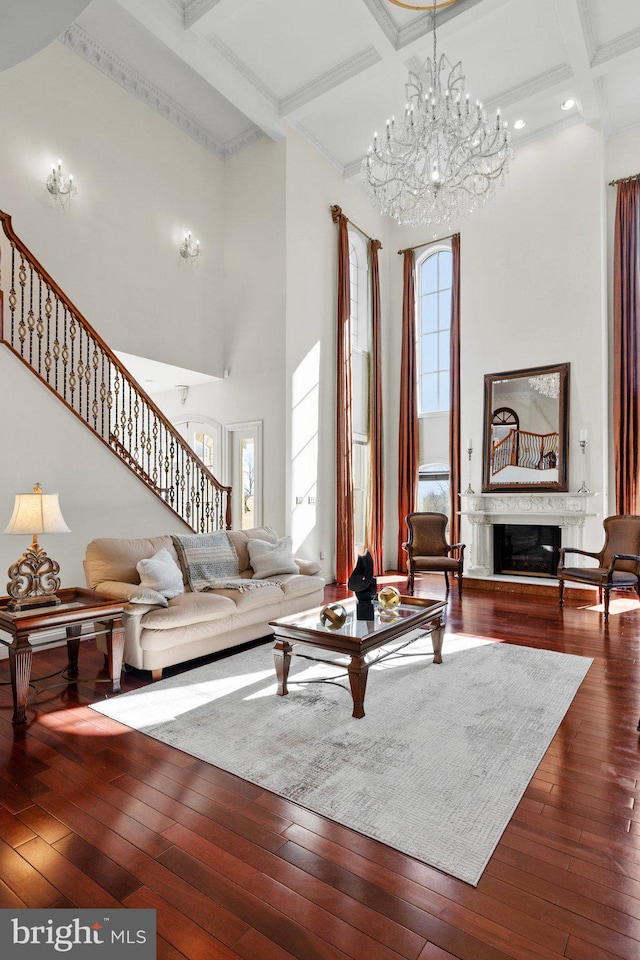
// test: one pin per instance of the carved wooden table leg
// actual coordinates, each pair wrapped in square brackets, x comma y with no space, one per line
[115,652]
[20,657]
[358,671]
[282,658]
[73,631]
[437,636]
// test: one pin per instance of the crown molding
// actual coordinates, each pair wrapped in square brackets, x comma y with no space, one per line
[588,31]
[627,43]
[600,87]
[379,10]
[414,30]
[87,47]
[353,168]
[241,68]
[545,131]
[178,6]
[523,91]
[193,10]
[327,81]
[245,138]
[315,143]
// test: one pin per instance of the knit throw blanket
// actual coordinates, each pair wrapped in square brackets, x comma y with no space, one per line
[209,562]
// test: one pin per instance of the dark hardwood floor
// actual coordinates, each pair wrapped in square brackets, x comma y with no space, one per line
[92,815]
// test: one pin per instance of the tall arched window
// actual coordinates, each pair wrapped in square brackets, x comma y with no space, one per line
[433,308]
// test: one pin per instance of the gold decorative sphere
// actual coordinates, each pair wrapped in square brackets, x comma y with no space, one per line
[333,616]
[389,598]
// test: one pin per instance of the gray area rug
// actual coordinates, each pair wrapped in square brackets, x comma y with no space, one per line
[435,768]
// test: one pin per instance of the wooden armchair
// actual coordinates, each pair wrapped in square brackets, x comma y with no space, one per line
[618,563]
[428,551]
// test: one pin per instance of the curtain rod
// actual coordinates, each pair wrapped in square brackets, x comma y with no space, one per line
[335,213]
[635,176]
[428,243]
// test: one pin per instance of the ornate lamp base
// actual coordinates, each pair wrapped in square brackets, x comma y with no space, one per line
[33,580]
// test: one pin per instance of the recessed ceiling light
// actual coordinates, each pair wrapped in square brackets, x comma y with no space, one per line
[567,104]
[519,124]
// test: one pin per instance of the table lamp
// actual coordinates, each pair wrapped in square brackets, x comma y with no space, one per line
[33,580]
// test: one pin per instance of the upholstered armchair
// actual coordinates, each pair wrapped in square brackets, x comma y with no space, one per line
[618,563]
[428,551]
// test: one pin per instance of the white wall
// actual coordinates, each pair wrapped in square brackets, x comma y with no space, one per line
[533,293]
[141,183]
[99,496]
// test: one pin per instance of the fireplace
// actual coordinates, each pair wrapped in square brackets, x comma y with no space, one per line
[526,549]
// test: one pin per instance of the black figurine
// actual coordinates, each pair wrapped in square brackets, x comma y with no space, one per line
[364,585]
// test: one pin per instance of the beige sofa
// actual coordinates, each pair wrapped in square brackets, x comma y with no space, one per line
[194,624]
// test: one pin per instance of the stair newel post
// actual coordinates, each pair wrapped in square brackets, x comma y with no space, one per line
[228,512]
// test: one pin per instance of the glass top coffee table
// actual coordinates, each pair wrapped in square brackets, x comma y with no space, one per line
[358,638]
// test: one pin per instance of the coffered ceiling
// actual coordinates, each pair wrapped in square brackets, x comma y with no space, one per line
[230,71]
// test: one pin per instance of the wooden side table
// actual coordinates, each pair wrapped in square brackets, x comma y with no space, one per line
[26,629]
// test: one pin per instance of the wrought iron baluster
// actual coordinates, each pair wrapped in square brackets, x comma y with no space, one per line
[67,355]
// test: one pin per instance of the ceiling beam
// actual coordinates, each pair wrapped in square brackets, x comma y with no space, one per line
[238,88]
[578,45]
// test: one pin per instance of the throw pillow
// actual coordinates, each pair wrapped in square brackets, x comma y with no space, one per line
[162,574]
[205,557]
[271,559]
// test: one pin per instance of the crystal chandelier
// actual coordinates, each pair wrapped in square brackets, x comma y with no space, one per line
[444,158]
[548,384]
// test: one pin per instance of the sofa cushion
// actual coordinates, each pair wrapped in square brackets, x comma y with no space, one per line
[271,559]
[189,608]
[160,573]
[265,596]
[115,558]
[297,585]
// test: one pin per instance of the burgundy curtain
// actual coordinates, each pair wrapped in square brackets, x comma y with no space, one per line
[454,387]
[344,479]
[626,316]
[408,451]
[375,512]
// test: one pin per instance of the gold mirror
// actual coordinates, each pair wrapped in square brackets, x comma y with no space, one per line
[526,429]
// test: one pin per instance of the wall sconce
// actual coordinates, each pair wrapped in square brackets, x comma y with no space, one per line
[469,491]
[584,440]
[33,580]
[190,249]
[184,392]
[60,187]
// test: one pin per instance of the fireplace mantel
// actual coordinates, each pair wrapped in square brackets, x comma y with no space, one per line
[569,511]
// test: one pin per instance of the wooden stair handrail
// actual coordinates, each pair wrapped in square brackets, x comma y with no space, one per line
[35,264]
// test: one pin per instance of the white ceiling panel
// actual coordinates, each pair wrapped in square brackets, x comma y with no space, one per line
[492,66]
[610,19]
[620,94]
[229,71]
[288,43]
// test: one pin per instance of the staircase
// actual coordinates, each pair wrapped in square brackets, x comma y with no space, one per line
[52,338]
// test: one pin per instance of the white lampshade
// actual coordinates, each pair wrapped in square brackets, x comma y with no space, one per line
[35,513]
